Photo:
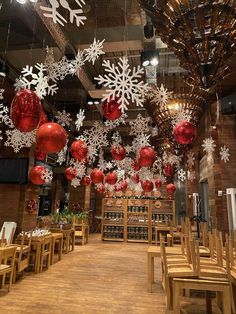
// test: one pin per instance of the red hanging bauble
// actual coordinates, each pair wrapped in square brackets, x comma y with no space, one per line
[118,152]
[101,189]
[111,178]
[168,170]
[158,183]
[86,180]
[79,150]
[35,175]
[170,188]
[147,185]
[136,165]
[51,137]
[26,109]
[123,185]
[135,178]
[97,176]
[147,156]
[117,188]
[38,155]
[70,173]
[111,110]
[43,118]
[185,132]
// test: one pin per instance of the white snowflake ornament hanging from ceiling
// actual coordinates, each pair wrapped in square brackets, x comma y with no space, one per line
[3,112]
[140,141]
[181,115]
[208,145]
[124,83]
[94,51]
[116,138]
[63,118]
[111,124]
[18,140]
[160,96]
[75,182]
[1,93]
[139,125]
[96,136]
[47,175]
[76,15]
[79,119]
[181,175]
[190,159]
[61,157]
[224,153]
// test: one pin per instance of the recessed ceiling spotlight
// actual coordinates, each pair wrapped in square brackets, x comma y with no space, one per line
[149,57]
[21,1]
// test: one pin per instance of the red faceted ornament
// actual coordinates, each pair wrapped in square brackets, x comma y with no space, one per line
[51,137]
[147,156]
[170,188]
[111,110]
[158,183]
[111,178]
[101,189]
[168,170]
[70,173]
[135,178]
[35,175]
[79,150]
[86,180]
[97,176]
[43,118]
[136,165]
[147,185]
[25,111]
[185,132]
[118,152]
[123,185]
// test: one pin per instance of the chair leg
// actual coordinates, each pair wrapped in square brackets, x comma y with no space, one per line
[176,301]
[208,302]
[14,274]
[3,280]
[226,301]
[10,280]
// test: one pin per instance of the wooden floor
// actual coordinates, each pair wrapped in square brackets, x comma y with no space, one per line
[101,277]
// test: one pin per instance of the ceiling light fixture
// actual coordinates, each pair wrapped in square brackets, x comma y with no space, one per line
[149,57]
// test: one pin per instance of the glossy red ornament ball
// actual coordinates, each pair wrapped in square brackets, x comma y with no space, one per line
[35,175]
[79,150]
[101,189]
[136,165]
[168,170]
[135,178]
[147,156]
[111,178]
[43,118]
[86,180]
[97,176]
[118,152]
[185,133]
[51,137]
[25,111]
[111,110]
[147,185]
[158,183]
[123,185]
[170,188]
[70,173]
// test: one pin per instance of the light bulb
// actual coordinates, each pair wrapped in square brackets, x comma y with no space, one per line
[21,1]
[154,61]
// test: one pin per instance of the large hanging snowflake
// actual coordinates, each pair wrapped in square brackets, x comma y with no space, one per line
[181,115]
[79,119]
[63,118]
[224,153]
[190,159]
[123,82]
[139,125]
[111,124]
[47,175]
[160,96]
[96,136]
[76,15]
[181,175]
[94,51]
[208,145]
[18,140]
[37,80]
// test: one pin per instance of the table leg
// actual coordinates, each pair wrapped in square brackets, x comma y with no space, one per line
[37,257]
[150,271]
[73,241]
[67,243]
[60,244]
[53,250]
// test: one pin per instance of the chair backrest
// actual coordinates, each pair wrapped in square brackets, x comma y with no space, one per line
[10,228]
[8,253]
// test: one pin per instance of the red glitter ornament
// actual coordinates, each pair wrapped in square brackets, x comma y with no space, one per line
[97,176]
[35,175]
[111,110]
[147,185]
[79,150]
[147,156]
[185,133]
[111,178]
[118,152]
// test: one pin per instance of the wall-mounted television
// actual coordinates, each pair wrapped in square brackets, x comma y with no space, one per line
[14,170]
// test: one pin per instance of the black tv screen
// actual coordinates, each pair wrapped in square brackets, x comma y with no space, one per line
[14,170]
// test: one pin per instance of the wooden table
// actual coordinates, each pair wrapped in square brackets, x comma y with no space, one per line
[57,237]
[161,229]
[68,235]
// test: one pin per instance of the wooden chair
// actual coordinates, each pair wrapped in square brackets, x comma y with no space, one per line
[3,240]
[81,230]
[46,249]
[7,262]
[9,229]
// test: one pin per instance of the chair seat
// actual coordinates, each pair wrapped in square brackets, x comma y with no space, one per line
[26,248]
[4,267]
[78,233]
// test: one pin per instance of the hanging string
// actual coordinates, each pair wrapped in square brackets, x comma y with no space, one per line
[5,50]
[31,48]
[96,19]
[217,108]
[125,28]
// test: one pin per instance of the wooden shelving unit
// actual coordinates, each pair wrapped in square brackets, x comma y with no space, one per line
[134,220]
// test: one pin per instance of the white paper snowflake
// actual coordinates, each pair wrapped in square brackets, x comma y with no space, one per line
[173,159]
[8,121]
[79,119]
[1,93]
[94,51]
[47,175]
[92,154]
[116,138]
[1,138]
[140,141]
[80,170]
[139,125]
[129,149]
[61,157]
[181,115]
[63,118]
[208,145]
[157,165]
[96,136]
[145,174]
[224,153]
[120,174]
[76,64]
[191,175]
[76,15]
[109,187]
[181,175]
[19,84]
[190,159]
[123,82]
[160,96]
[110,124]
[3,112]
[75,182]
[126,164]
[18,140]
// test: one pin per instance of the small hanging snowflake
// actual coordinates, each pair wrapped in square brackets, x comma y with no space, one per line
[190,159]
[224,153]
[126,164]
[92,154]
[110,124]
[1,93]
[80,170]
[8,121]
[3,112]
[18,140]
[63,118]
[173,159]
[116,138]
[77,14]
[191,175]
[181,175]
[61,157]
[94,51]
[96,136]
[208,145]
[181,115]
[129,149]
[47,175]
[79,119]
[76,64]
[139,125]
[1,138]
[160,96]
[123,82]
[109,187]
[140,141]
[75,182]
[145,174]
[157,165]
